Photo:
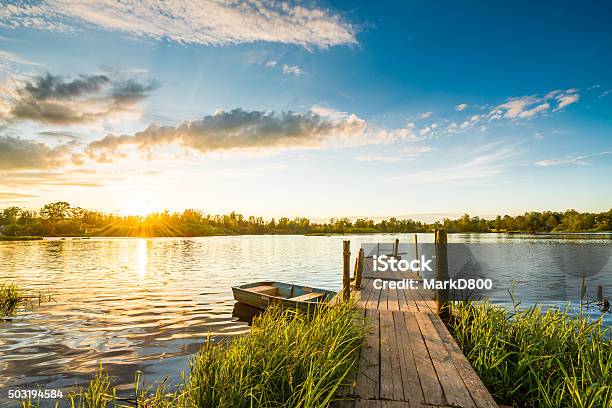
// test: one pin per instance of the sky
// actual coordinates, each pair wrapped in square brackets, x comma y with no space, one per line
[317,109]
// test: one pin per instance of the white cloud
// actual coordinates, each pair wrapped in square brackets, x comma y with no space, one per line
[428,130]
[582,160]
[527,107]
[577,160]
[203,22]
[534,111]
[292,70]
[490,160]
[14,58]
[461,107]
[384,159]
[271,64]
[566,100]
[604,93]
[425,115]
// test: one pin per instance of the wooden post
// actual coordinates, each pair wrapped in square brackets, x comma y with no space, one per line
[396,247]
[346,270]
[359,270]
[443,305]
[600,296]
[416,252]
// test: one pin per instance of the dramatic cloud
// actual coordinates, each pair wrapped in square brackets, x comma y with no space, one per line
[203,21]
[240,130]
[56,100]
[16,153]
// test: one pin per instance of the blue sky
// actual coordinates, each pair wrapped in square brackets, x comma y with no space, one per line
[407,108]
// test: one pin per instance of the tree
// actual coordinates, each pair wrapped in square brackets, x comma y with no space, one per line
[56,211]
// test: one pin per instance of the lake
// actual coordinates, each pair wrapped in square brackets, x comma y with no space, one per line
[148,304]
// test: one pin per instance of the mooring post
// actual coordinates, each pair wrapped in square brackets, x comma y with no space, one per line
[346,270]
[416,252]
[443,306]
[359,270]
[396,248]
[600,296]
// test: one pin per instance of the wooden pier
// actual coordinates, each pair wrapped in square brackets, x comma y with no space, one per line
[409,359]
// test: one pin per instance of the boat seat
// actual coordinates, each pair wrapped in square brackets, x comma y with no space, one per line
[265,289]
[307,296]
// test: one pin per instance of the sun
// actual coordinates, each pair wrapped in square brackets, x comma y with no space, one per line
[141,207]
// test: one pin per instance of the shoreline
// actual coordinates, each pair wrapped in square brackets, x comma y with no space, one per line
[9,238]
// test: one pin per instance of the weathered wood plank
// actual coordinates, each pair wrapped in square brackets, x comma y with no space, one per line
[364,294]
[455,390]
[368,377]
[408,369]
[393,300]
[396,404]
[432,391]
[410,305]
[374,298]
[368,403]
[477,389]
[391,386]
[384,297]
[347,403]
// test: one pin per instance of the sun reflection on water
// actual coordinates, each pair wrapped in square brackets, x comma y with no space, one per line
[141,260]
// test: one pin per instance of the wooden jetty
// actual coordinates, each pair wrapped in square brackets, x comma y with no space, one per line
[409,358]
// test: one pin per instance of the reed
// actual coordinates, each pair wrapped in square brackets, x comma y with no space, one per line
[289,359]
[534,357]
[11,297]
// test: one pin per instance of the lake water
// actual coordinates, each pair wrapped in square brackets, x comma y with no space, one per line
[148,304]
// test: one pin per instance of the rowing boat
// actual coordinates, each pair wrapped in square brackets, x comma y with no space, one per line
[263,294]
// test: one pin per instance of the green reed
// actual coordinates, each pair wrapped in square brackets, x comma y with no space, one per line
[11,297]
[289,359]
[534,357]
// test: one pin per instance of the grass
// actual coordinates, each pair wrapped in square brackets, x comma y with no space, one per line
[289,359]
[11,297]
[536,358]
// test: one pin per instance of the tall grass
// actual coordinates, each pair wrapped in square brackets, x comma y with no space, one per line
[536,358]
[289,359]
[11,297]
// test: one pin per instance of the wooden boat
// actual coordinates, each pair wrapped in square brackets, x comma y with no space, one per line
[263,294]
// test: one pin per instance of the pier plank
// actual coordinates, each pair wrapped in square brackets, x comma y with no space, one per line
[368,376]
[477,389]
[391,386]
[393,300]
[455,390]
[432,391]
[408,369]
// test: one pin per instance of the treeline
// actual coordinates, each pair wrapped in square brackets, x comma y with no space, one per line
[61,219]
